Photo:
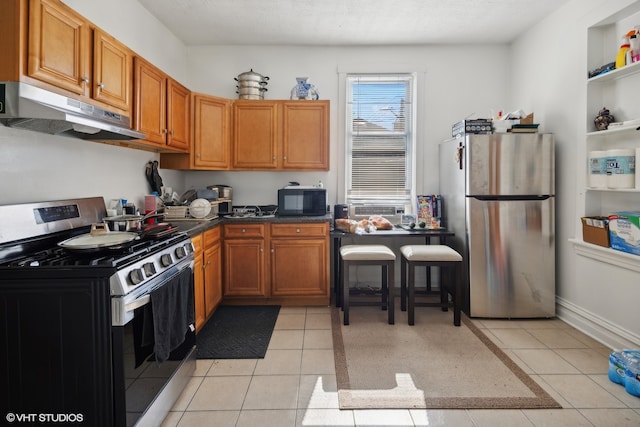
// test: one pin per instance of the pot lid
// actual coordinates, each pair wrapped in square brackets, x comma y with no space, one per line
[99,237]
[251,75]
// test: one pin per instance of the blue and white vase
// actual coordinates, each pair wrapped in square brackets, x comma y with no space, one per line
[304,90]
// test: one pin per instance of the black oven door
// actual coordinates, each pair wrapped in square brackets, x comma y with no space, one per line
[146,388]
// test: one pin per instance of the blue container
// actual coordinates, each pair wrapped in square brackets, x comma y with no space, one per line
[618,363]
[632,377]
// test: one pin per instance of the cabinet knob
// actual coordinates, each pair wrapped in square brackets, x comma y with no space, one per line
[164,131]
[244,230]
[101,85]
[274,157]
[85,80]
[284,158]
[297,230]
[273,250]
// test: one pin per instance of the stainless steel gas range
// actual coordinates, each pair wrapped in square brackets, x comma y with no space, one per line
[102,335]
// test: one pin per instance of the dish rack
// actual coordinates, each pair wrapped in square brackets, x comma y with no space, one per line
[182,212]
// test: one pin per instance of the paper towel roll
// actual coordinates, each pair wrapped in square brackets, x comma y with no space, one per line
[598,169]
[621,168]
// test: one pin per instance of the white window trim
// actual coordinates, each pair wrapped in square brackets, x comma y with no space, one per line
[343,73]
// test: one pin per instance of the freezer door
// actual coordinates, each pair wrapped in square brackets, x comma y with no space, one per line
[510,164]
[511,258]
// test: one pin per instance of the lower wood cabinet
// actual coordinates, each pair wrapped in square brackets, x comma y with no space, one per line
[244,260]
[282,262]
[207,274]
[299,259]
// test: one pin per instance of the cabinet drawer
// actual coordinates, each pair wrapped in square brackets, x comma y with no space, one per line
[244,230]
[211,236]
[197,243]
[320,229]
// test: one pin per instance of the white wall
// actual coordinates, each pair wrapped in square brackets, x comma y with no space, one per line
[550,64]
[453,82]
[36,166]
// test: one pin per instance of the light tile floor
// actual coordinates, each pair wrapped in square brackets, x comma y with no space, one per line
[295,384]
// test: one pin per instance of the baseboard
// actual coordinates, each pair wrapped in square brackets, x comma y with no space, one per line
[598,328]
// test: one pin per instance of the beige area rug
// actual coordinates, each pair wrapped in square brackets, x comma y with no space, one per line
[432,365]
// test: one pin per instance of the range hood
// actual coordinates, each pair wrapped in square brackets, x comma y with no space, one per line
[29,107]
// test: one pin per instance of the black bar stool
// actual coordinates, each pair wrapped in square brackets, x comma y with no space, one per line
[368,255]
[443,256]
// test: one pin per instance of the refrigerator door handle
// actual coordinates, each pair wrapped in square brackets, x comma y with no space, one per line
[507,198]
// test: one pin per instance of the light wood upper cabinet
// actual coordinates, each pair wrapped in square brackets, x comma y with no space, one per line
[256,132]
[112,73]
[280,135]
[178,115]
[59,46]
[68,52]
[211,142]
[305,138]
[161,108]
[211,132]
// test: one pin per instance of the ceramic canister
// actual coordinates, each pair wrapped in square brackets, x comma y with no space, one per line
[621,168]
[597,169]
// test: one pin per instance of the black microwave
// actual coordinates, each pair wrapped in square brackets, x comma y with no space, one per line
[302,201]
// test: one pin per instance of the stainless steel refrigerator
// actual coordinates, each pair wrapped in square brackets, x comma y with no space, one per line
[498,194]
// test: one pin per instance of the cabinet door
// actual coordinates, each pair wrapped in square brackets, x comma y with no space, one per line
[299,266]
[212,270]
[305,139]
[212,136]
[178,115]
[198,282]
[150,98]
[111,71]
[244,272]
[255,135]
[59,46]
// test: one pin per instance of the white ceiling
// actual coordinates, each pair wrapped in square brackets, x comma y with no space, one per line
[348,22]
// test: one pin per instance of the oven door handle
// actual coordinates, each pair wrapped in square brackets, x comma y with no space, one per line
[144,300]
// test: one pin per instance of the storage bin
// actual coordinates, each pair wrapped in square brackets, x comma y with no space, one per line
[595,229]
[624,232]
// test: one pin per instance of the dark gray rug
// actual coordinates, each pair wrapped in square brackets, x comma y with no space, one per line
[237,332]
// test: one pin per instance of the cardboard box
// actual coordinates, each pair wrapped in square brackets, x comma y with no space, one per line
[429,210]
[595,229]
[527,120]
[624,232]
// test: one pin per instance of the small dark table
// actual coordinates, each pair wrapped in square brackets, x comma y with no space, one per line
[427,234]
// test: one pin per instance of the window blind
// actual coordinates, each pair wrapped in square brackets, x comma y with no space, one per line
[379,138]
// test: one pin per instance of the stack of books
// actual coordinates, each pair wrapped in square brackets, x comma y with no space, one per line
[524,128]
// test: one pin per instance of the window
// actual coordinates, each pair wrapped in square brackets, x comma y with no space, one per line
[380,139]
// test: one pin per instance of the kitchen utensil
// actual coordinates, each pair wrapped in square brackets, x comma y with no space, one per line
[200,208]
[132,222]
[153,177]
[251,85]
[100,237]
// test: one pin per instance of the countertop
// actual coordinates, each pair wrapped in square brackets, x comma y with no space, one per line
[195,227]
